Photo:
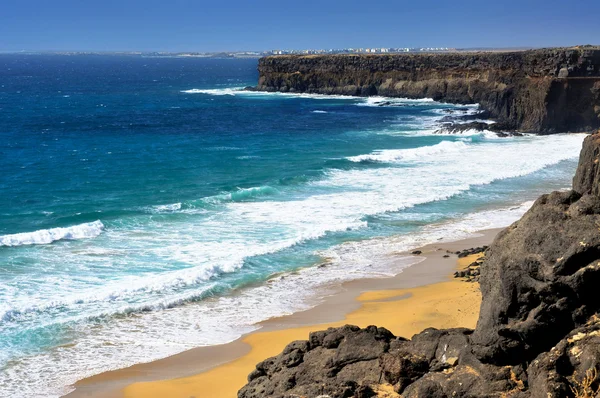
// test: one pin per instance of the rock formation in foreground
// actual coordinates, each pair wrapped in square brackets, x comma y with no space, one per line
[538,91]
[538,333]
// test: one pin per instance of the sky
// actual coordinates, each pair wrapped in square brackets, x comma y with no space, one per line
[233,25]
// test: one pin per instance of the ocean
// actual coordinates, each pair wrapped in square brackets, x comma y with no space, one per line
[149,206]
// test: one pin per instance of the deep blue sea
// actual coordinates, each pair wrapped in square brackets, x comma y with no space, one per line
[148,206]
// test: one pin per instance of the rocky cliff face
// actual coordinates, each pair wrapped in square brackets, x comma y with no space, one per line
[538,333]
[541,91]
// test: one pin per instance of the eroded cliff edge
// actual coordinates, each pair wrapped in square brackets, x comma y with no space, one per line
[538,333]
[539,91]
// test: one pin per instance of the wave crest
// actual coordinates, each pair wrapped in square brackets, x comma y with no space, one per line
[379,101]
[45,236]
[242,194]
[376,101]
[215,91]
[397,155]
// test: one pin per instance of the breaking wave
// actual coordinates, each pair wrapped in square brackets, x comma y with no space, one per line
[45,236]
[396,155]
[241,195]
[375,101]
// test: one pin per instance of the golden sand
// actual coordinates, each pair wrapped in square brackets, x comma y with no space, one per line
[454,303]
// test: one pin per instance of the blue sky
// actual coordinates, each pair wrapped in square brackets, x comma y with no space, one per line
[185,25]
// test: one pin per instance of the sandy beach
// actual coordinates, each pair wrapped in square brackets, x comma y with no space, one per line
[423,295]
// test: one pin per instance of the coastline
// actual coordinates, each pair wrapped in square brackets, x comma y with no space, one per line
[509,95]
[141,293]
[425,293]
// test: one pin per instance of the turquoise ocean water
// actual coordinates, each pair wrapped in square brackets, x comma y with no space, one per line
[148,206]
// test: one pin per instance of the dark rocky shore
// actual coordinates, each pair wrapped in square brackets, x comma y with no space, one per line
[538,333]
[472,272]
[538,91]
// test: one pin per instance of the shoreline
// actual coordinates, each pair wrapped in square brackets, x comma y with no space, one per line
[430,277]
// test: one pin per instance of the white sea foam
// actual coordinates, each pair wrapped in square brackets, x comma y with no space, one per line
[383,101]
[431,122]
[458,110]
[319,111]
[465,121]
[167,208]
[265,94]
[45,236]
[369,253]
[434,128]
[468,133]
[216,91]
[241,194]
[223,319]
[375,101]
[396,155]
[238,229]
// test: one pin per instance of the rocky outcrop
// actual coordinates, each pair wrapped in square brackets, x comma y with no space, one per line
[539,278]
[540,91]
[339,362]
[538,333]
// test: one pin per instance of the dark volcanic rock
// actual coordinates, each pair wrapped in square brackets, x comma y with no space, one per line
[471,251]
[538,333]
[572,364]
[471,273]
[539,278]
[541,91]
[587,176]
[337,362]
[458,128]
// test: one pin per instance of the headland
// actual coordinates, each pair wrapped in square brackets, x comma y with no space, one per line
[536,91]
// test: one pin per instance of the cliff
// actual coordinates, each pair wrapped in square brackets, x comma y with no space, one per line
[540,91]
[538,333]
